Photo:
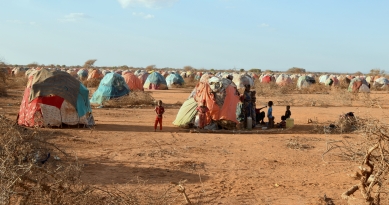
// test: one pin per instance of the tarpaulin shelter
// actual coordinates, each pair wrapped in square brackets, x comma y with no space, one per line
[356,84]
[82,74]
[381,82]
[143,77]
[133,82]
[52,98]
[323,78]
[174,79]
[95,74]
[283,80]
[111,86]
[155,81]
[332,81]
[221,98]
[305,81]
[266,79]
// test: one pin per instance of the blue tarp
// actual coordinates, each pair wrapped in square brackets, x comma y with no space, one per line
[174,78]
[111,86]
[157,79]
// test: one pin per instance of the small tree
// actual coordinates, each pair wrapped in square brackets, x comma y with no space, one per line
[242,70]
[33,64]
[255,70]
[89,63]
[188,68]
[358,73]
[296,70]
[150,67]
[376,71]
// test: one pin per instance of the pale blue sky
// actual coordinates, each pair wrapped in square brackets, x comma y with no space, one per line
[318,35]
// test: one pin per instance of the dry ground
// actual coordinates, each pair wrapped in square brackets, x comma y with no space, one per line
[270,167]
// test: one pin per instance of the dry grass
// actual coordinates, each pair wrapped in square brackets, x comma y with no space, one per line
[35,171]
[135,98]
[190,82]
[17,82]
[92,83]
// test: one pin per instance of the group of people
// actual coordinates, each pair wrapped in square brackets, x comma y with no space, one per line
[245,113]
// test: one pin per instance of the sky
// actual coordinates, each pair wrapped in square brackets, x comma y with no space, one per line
[317,35]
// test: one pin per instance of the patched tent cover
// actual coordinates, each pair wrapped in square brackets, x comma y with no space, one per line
[112,85]
[52,98]
[221,99]
[174,79]
[155,81]
[95,74]
[82,73]
[133,82]
[305,81]
[283,80]
[356,83]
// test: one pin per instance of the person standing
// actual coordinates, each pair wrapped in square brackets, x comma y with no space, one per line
[203,110]
[270,116]
[287,112]
[159,110]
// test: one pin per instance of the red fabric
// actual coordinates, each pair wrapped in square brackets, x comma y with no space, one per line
[133,82]
[51,100]
[266,79]
[202,115]
[159,110]
[158,120]
[230,102]
[203,92]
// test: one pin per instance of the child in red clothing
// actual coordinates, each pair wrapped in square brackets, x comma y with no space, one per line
[202,114]
[159,110]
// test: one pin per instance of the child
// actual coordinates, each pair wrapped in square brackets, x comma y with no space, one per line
[240,113]
[287,112]
[270,116]
[283,122]
[202,114]
[159,110]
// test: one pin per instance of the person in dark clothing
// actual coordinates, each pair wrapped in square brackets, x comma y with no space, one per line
[287,112]
[259,116]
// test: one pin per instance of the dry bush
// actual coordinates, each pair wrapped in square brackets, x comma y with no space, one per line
[190,82]
[297,144]
[91,83]
[373,155]
[34,171]
[17,82]
[134,98]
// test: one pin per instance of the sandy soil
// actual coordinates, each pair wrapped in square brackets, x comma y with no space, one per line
[221,168]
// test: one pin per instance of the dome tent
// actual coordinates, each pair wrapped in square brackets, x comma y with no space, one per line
[112,85]
[221,97]
[305,81]
[283,80]
[52,98]
[174,79]
[358,84]
[133,82]
[155,81]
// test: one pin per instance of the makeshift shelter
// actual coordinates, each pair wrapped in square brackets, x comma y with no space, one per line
[52,98]
[95,74]
[305,81]
[283,80]
[242,80]
[174,79]
[332,81]
[111,86]
[155,81]
[133,82]
[221,99]
[356,85]
[323,78]
[82,74]
[381,82]
[266,79]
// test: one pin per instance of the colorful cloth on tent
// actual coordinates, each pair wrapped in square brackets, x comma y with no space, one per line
[186,113]
[203,92]
[133,82]
[155,81]
[111,86]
